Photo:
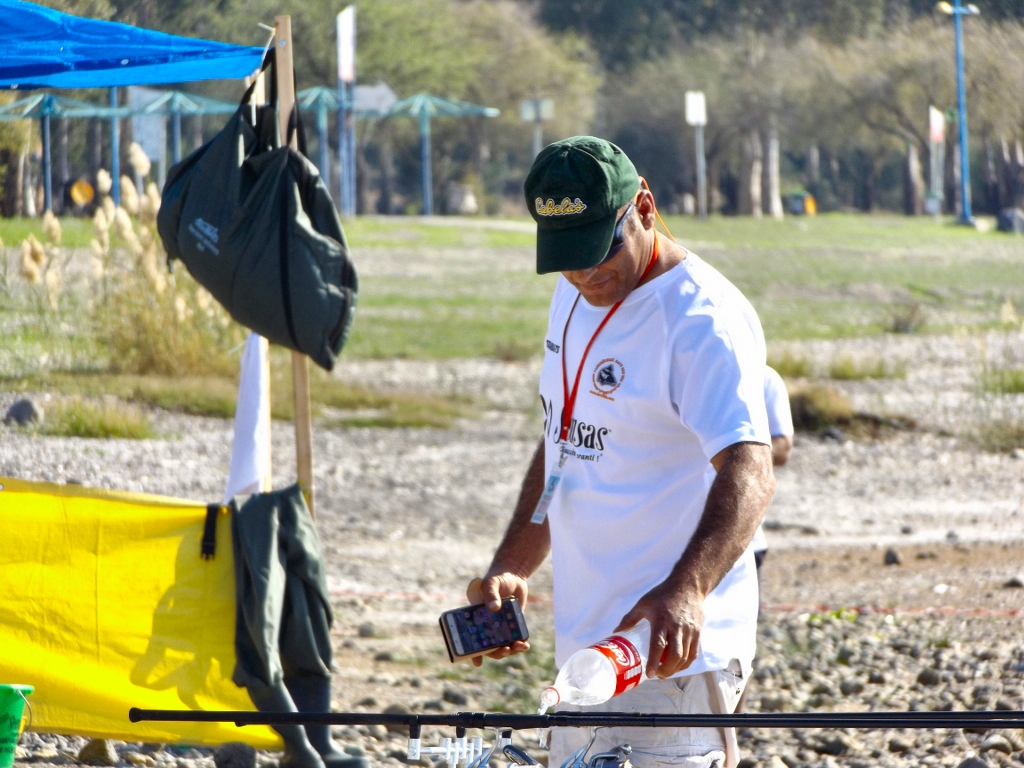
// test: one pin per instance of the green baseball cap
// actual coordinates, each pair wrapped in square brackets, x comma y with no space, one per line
[574,191]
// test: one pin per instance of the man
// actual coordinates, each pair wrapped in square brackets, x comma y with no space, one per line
[656,431]
[780,426]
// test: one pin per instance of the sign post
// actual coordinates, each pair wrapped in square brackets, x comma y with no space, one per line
[300,363]
[346,32]
[536,111]
[697,116]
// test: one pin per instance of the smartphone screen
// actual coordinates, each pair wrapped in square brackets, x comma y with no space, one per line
[477,629]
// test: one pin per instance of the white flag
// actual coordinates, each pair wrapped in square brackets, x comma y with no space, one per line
[250,451]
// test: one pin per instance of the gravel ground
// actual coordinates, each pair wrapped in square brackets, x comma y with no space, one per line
[407,516]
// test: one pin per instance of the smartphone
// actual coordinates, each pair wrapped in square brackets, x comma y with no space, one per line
[475,631]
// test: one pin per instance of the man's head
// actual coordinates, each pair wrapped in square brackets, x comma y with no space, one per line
[594,222]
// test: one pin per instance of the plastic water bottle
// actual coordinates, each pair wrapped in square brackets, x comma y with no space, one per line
[606,669]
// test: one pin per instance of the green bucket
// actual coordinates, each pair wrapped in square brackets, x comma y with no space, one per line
[12,710]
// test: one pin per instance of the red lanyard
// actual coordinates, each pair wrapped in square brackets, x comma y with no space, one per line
[569,398]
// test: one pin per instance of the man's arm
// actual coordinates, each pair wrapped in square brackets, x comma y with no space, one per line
[521,552]
[735,506]
[782,445]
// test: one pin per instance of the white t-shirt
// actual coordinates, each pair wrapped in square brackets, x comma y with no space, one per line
[780,423]
[676,376]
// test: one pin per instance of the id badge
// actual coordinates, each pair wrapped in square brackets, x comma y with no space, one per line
[540,513]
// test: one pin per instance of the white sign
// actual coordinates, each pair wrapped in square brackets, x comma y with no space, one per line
[936,125]
[528,109]
[347,45]
[696,108]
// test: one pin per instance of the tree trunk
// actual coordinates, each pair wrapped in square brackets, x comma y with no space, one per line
[386,203]
[95,149]
[772,193]
[913,182]
[813,166]
[63,169]
[749,203]
[954,180]
[197,132]
[362,176]
[19,184]
[865,198]
[992,200]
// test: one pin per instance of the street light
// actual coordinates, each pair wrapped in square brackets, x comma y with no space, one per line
[956,10]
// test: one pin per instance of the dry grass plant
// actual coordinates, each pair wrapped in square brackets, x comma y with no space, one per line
[150,320]
[846,368]
[791,366]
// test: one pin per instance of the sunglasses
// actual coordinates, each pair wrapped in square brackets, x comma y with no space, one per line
[618,236]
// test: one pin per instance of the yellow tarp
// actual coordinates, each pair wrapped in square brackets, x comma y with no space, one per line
[106,604]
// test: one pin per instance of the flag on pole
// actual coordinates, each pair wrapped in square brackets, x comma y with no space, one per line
[250,449]
[936,125]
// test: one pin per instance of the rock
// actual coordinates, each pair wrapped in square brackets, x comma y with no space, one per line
[397,709]
[366,629]
[23,412]
[378,732]
[906,530]
[822,688]
[434,704]
[833,743]
[774,702]
[1011,220]
[900,744]
[997,742]
[776,762]
[137,758]
[1015,582]
[1007,705]
[973,762]
[455,697]
[851,686]
[234,754]
[892,557]
[382,678]
[384,656]
[877,677]
[929,677]
[927,555]
[45,754]
[355,750]
[368,701]
[748,762]
[98,752]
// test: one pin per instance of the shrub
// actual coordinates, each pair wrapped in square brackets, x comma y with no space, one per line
[79,418]
[907,318]
[845,368]
[818,406]
[791,366]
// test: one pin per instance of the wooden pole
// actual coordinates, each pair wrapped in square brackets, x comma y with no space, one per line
[300,363]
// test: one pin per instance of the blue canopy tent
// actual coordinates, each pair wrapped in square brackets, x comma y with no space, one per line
[43,48]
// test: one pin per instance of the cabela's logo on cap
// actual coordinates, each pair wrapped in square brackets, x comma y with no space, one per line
[565,208]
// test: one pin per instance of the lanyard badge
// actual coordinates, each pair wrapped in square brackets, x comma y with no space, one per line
[540,513]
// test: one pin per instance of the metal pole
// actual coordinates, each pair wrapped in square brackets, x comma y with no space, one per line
[323,153]
[702,175]
[44,124]
[350,146]
[538,129]
[115,151]
[428,192]
[961,95]
[342,186]
[176,135]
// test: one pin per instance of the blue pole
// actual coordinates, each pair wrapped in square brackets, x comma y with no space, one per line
[961,95]
[44,124]
[324,156]
[176,136]
[428,193]
[115,151]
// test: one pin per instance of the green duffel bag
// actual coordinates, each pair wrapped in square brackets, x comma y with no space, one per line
[255,225]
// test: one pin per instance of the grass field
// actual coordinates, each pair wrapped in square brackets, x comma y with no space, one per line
[432,291]
[440,290]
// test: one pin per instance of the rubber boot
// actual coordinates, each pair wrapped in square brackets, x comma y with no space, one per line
[298,752]
[312,693]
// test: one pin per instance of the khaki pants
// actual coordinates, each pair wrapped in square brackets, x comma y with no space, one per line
[707,693]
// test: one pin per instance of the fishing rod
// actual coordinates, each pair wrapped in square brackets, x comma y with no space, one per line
[461,721]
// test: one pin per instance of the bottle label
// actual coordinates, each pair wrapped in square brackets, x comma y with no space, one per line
[629,667]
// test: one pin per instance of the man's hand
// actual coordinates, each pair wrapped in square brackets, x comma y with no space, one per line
[491,590]
[676,617]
